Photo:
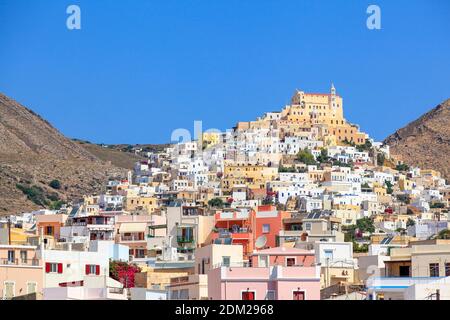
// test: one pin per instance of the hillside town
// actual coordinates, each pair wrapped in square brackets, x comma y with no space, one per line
[299,204]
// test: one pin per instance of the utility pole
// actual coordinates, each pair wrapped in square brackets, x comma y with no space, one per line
[9,230]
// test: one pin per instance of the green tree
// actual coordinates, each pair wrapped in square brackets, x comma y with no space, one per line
[437,205]
[366,146]
[286,169]
[444,234]
[389,187]
[216,203]
[268,200]
[360,248]
[323,156]
[306,157]
[402,167]
[365,225]
[365,185]
[410,222]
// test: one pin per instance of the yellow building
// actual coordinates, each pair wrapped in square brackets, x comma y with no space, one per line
[380,191]
[149,204]
[254,176]
[160,277]
[404,183]
[210,138]
[311,109]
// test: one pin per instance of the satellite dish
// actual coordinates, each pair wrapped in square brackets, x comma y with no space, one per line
[261,242]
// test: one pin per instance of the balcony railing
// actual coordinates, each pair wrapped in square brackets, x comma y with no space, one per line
[20,262]
[132,238]
[229,232]
[185,240]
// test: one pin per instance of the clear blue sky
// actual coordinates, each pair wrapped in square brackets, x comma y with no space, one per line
[139,69]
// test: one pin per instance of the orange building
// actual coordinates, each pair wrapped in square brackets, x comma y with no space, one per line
[50,224]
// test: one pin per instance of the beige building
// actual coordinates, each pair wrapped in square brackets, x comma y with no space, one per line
[420,259]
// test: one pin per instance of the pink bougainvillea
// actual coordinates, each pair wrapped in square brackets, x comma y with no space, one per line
[124,273]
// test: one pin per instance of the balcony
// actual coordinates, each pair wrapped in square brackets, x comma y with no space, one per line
[20,262]
[181,239]
[132,238]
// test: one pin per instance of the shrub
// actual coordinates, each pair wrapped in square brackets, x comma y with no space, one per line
[55,184]
[306,157]
[216,203]
[34,193]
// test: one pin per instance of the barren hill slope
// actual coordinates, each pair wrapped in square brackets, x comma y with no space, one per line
[425,142]
[33,153]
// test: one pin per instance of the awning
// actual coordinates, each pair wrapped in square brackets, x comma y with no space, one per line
[132,227]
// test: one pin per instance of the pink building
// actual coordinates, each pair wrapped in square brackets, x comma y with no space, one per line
[20,271]
[276,274]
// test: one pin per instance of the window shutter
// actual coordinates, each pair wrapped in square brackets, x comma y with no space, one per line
[97,269]
[87,269]
[60,268]
[47,267]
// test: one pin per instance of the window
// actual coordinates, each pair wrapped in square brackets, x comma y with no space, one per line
[9,290]
[447,269]
[266,228]
[11,256]
[23,255]
[140,253]
[328,254]
[434,269]
[308,226]
[92,269]
[31,287]
[290,262]
[226,261]
[53,267]
[248,295]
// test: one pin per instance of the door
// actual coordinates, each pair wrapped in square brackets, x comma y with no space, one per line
[404,271]
[299,295]
[248,295]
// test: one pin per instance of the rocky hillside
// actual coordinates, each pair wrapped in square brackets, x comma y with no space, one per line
[33,154]
[116,157]
[425,142]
